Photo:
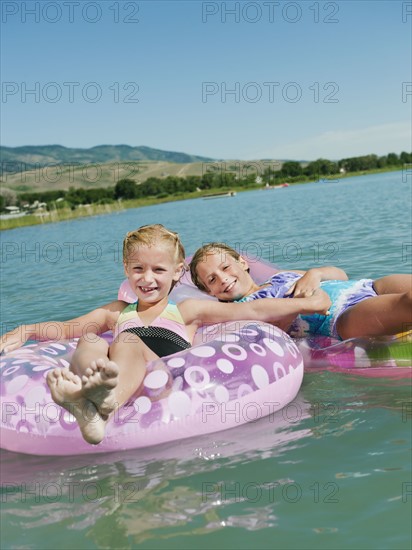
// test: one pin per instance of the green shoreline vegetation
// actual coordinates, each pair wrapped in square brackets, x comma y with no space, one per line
[57,205]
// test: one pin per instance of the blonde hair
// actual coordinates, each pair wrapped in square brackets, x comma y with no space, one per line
[200,255]
[149,235]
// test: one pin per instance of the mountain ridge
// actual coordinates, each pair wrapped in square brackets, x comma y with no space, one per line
[46,155]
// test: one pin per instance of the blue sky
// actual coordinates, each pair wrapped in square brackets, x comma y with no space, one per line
[244,80]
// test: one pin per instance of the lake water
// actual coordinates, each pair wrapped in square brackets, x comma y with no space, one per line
[332,470]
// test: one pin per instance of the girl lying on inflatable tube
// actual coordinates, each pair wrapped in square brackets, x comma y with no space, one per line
[102,376]
[359,308]
[363,313]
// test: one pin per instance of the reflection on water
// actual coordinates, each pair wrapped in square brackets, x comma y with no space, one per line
[243,478]
[137,493]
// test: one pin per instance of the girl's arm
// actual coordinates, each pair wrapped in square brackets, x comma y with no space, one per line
[312,278]
[97,321]
[270,310]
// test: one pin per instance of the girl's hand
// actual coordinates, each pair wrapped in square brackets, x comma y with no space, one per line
[319,302]
[306,285]
[13,339]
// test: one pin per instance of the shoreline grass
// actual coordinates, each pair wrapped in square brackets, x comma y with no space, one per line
[67,214]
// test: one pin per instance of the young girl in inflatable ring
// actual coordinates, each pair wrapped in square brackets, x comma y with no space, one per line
[103,376]
[362,308]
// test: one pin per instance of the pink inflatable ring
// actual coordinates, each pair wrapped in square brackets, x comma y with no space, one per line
[233,375]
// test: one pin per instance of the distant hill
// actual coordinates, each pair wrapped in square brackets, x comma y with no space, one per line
[12,158]
[51,167]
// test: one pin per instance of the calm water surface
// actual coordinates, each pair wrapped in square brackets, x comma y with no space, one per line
[332,470]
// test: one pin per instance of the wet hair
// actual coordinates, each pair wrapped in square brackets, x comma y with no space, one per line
[200,256]
[150,235]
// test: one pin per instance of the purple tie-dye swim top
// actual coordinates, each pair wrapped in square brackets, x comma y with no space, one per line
[343,294]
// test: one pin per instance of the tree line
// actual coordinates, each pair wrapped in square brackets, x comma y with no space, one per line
[324,167]
[216,177]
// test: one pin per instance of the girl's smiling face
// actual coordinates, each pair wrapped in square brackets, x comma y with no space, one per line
[152,271]
[225,277]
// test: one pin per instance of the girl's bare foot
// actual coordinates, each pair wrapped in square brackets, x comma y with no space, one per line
[98,384]
[67,391]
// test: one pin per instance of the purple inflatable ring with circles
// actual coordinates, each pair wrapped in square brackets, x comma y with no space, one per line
[235,373]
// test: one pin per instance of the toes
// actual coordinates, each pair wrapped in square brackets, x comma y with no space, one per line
[59,377]
[53,375]
[111,370]
[50,376]
[75,378]
[67,374]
